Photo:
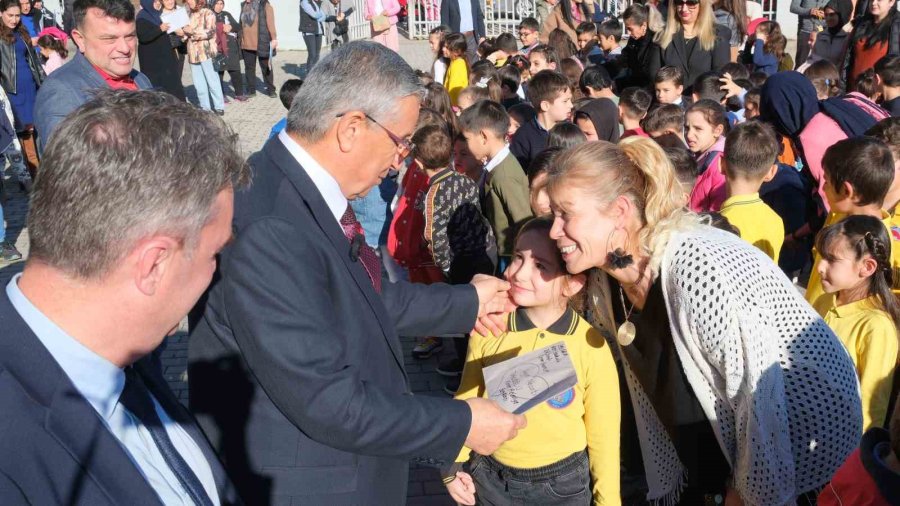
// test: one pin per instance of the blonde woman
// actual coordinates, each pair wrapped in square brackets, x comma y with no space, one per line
[201,49]
[739,389]
[691,41]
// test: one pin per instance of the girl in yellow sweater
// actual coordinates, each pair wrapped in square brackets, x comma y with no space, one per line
[856,268]
[457,76]
[569,452]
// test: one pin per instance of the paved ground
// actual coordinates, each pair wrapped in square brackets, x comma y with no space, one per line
[252,121]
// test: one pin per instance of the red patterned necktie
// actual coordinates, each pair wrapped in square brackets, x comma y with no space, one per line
[352,229]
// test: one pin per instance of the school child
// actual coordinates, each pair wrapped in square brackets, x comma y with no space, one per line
[888,71]
[751,151]
[569,452]
[529,34]
[286,94]
[669,85]
[505,46]
[551,96]
[436,42]
[543,57]
[510,83]
[709,86]
[519,115]
[595,82]
[609,35]
[888,132]
[705,125]
[537,176]
[768,49]
[566,135]
[457,76]
[857,175]
[588,46]
[471,94]
[504,186]
[663,120]
[682,161]
[634,103]
[53,50]
[751,103]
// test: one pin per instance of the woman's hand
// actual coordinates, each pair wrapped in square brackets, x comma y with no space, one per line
[164,27]
[187,30]
[385,14]
[226,28]
[179,32]
[462,489]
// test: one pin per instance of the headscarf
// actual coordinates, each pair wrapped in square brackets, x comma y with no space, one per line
[843,8]
[249,11]
[149,13]
[788,101]
[604,115]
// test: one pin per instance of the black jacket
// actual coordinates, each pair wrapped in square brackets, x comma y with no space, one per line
[8,65]
[692,63]
[636,57]
[450,16]
[308,24]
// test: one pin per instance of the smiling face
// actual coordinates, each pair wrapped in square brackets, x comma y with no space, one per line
[581,229]
[687,11]
[881,8]
[699,133]
[107,42]
[536,276]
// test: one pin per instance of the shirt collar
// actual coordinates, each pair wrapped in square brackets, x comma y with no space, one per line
[499,157]
[97,379]
[565,325]
[326,184]
[737,200]
[853,308]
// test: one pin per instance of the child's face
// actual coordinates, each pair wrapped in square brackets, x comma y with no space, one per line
[513,126]
[528,37]
[839,200]
[699,134]
[463,161]
[535,274]
[434,40]
[477,143]
[540,200]
[667,92]
[538,63]
[751,110]
[587,128]
[607,43]
[560,109]
[584,39]
[843,271]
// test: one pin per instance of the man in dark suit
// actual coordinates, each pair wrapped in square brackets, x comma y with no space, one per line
[295,368]
[125,225]
[466,17]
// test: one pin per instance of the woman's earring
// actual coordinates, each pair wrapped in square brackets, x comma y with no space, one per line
[617,258]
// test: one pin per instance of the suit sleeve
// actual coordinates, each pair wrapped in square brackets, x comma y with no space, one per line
[10,493]
[55,100]
[283,319]
[445,14]
[430,310]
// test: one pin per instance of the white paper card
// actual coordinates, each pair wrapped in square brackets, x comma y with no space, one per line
[521,383]
[177,19]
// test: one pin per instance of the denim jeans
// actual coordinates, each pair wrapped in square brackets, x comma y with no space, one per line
[207,84]
[2,224]
[564,483]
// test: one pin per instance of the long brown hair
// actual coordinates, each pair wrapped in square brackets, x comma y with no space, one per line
[775,40]
[6,34]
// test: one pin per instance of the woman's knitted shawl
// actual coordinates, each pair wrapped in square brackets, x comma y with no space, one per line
[776,384]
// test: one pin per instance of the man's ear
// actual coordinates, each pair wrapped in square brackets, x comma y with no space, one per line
[78,38]
[348,129]
[151,259]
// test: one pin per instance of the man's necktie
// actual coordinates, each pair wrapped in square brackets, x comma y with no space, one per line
[354,233]
[137,400]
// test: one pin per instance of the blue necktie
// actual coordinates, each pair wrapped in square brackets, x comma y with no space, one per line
[136,399]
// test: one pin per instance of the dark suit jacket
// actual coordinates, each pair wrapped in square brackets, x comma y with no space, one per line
[450,16]
[296,367]
[54,447]
[691,63]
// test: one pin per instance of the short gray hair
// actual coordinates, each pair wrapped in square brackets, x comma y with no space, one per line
[361,75]
[126,165]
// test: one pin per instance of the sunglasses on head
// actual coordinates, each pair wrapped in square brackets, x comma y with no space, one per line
[690,3]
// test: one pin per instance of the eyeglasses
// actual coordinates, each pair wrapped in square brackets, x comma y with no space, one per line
[525,33]
[689,3]
[404,147]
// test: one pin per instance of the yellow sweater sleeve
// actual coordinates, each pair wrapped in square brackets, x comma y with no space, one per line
[602,417]
[472,382]
[456,79]
[876,359]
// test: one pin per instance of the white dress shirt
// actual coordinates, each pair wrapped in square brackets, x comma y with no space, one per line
[326,184]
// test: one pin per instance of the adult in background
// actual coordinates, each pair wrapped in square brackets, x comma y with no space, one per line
[44,17]
[105,35]
[21,75]
[201,48]
[566,16]
[337,22]
[467,18]
[176,38]
[29,21]
[125,225]
[155,53]
[228,42]
[876,35]
[732,14]
[831,43]
[726,365]
[296,367]
[258,40]
[312,20]
[691,41]
[379,11]
[637,51]
[811,17]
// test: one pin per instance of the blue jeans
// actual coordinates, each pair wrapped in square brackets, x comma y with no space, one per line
[2,225]
[207,83]
[563,483]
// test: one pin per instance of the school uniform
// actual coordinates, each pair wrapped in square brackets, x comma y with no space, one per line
[758,223]
[709,191]
[506,200]
[528,142]
[456,79]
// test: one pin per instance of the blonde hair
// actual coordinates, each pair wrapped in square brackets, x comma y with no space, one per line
[705,26]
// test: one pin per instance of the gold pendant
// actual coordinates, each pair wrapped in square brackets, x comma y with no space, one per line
[626,333]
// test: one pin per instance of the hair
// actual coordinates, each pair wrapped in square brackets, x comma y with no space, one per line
[594,77]
[425,78]
[542,162]
[507,43]
[547,52]
[867,84]
[738,11]
[565,135]
[437,99]
[122,10]
[486,47]
[664,117]
[708,86]
[736,70]
[712,112]
[572,70]
[734,103]
[870,31]
[541,225]
[433,147]
[669,73]
[683,161]
[758,78]
[751,149]
[635,101]
[753,96]
[562,44]
[520,62]
[522,113]
[6,34]
[53,44]
[485,115]
[867,236]
[565,8]
[546,85]
[441,31]
[201,4]
[636,14]
[114,172]
[288,91]
[456,45]
[610,27]
[474,94]
[586,27]
[530,24]
[705,24]
[888,69]
[825,78]
[485,75]
[775,40]
[864,162]
[888,132]
[510,78]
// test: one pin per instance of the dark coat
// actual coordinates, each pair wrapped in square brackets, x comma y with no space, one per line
[234,41]
[636,56]
[157,58]
[694,63]
[8,64]
[55,448]
[264,39]
[296,367]
[450,16]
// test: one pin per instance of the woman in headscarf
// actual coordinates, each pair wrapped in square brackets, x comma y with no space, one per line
[228,36]
[875,36]
[157,59]
[598,119]
[831,43]
[176,38]
[258,40]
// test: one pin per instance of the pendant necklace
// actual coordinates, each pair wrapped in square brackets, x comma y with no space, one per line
[627,331]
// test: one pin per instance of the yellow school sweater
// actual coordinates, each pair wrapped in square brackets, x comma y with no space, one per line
[456,78]
[586,416]
[870,337]
[816,295]
[757,222]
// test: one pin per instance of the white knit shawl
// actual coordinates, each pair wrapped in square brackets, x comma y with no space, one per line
[778,388]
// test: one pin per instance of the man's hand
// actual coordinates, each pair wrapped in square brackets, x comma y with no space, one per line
[493,304]
[491,426]
[462,489]
[729,87]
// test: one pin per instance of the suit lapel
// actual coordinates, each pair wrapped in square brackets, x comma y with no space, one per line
[307,190]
